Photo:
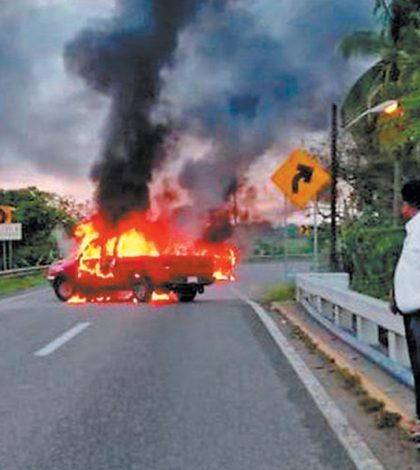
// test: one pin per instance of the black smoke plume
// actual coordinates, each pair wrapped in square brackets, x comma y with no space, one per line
[265,73]
[123,58]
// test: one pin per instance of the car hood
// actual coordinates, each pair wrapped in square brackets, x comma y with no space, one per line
[61,265]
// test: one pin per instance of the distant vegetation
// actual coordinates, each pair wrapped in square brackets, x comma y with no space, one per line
[40,213]
[272,243]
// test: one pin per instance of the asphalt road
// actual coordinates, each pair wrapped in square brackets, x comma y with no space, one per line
[180,386]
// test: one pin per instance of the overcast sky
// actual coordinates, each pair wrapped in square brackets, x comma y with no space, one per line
[52,123]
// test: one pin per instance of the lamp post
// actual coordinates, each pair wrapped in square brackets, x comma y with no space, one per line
[388,107]
[334,174]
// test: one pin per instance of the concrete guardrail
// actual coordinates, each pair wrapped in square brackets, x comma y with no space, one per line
[363,322]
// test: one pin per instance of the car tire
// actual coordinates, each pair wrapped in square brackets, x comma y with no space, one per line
[142,290]
[187,295]
[64,289]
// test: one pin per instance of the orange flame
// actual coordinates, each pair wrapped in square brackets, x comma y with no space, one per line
[158,297]
[76,299]
[101,244]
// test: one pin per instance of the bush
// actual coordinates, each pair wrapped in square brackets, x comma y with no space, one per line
[370,248]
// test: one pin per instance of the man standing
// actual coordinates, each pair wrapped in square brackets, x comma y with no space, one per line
[407,286]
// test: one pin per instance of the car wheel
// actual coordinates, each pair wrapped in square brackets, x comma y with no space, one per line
[142,290]
[64,289]
[187,295]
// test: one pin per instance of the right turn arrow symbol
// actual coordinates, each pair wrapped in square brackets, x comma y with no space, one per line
[304,173]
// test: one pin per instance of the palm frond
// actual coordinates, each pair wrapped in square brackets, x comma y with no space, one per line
[362,91]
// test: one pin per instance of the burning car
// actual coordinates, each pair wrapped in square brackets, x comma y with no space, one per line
[184,275]
[139,257]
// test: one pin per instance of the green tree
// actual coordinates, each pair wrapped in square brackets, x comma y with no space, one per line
[388,144]
[40,213]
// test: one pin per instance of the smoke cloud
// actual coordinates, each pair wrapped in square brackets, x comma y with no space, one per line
[123,59]
[244,75]
[251,75]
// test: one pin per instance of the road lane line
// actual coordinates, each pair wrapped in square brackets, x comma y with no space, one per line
[355,446]
[64,338]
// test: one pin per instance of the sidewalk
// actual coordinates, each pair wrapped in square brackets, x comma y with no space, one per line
[380,385]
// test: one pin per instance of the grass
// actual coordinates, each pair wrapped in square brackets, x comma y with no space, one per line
[371,405]
[280,293]
[15,284]
[387,419]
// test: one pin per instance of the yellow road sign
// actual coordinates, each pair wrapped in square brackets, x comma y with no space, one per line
[300,178]
[6,214]
[304,230]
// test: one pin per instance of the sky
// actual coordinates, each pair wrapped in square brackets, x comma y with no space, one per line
[249,81]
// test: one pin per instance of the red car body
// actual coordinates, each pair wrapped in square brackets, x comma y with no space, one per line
[185,275]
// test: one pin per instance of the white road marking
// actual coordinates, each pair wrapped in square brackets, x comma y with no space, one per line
[355,446]
[64,338]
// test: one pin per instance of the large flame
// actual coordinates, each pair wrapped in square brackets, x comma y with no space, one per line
[100,246]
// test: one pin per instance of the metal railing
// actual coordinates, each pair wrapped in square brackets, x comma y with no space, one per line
[363,322]
[22,272]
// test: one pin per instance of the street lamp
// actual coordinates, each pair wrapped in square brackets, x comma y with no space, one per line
[389,107]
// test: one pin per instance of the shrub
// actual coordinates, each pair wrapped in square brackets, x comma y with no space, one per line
[370,248]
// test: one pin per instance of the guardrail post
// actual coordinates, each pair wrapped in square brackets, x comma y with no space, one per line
[318,303]
[336,313]
[328,310]
[397,348]
[345,319]
[367,331]
[392,345]
[298,294]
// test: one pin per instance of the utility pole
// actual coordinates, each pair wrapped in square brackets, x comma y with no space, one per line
[334,172]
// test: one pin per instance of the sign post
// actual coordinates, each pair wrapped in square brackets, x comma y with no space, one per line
[285,239]
[10,254]
[4,256]
[8,233]
[316,255]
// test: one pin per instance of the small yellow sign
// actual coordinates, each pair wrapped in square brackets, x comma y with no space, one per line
[6,214]
[300,178]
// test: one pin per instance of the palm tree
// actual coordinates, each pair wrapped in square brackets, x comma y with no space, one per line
[395,45]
